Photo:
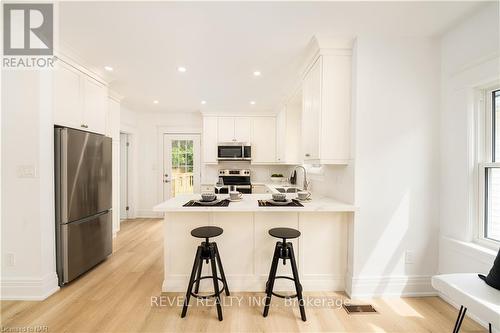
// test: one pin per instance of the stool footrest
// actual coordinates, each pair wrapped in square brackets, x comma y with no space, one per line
[283,296]
[212,295]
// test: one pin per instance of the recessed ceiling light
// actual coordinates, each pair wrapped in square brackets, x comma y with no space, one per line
[108,68]
[155,102]
[257,73]
[181,69]
[203,102]
[252,102]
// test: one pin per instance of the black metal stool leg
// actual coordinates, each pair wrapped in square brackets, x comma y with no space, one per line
[219,262]
[489,327]
[271,278]
[197,262]
[298,286]
[460,318]
[216,283]
[198,276]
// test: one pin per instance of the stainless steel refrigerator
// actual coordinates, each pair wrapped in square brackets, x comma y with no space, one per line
[83,201]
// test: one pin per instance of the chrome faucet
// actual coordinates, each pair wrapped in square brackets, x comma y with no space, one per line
[305,184]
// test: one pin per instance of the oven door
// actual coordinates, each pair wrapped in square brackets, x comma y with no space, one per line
[228,152]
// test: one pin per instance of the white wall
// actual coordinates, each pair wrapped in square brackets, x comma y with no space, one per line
[27,202]
[396,89]
[146,131]
[470,58]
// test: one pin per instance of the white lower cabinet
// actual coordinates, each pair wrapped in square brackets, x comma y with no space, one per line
[263,139]
[80,101]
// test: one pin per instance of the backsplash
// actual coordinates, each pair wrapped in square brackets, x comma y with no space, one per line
[259,173]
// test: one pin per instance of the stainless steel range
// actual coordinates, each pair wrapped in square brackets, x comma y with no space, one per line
[239,178]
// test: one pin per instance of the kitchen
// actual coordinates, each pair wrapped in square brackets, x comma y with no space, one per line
[333,133]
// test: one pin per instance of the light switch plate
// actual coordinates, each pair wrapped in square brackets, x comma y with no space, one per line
[27,171]
[409,257]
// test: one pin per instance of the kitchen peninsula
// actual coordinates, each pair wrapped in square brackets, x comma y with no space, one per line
[246,247]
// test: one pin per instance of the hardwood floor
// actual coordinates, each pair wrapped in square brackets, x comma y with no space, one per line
[117,296]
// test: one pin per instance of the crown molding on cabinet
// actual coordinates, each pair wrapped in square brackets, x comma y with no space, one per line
[63,53]
[115,96]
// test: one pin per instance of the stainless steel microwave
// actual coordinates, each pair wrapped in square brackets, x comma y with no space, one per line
[234,151]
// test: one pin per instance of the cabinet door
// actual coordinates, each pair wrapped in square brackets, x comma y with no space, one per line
[113,120]
[209,139]
[243,129]
[225,130]
[311,112]
[264,140]
[67,96]
[281,135]
[94,105]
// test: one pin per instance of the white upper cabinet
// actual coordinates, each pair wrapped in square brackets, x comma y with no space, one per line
[326,108]
[263,139]
[67,96]
[280,136]
[210,139]
[243,129]
[311,120]
[113,119]
[234,129]
[288,132]
[79,100]
[95,106]
[225,131]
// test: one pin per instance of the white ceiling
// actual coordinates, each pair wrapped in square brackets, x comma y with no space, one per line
[222,43]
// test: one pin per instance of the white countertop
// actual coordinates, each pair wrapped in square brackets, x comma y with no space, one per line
[249,204]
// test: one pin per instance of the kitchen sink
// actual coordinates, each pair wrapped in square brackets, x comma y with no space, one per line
[287,189]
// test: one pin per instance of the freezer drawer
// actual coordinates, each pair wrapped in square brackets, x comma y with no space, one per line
[83,244]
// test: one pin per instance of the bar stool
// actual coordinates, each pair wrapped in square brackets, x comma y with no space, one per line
[284,250]
[206,251]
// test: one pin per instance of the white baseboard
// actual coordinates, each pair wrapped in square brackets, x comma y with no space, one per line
[252,283]
[29,289]
[383,286]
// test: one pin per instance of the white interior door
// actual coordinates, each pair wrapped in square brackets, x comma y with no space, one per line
[181,164]
[124,206]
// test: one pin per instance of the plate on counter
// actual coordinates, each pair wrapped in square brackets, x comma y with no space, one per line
[279,203]
[208,203]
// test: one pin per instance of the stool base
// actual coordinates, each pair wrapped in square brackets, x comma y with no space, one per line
[284,250]
[209,252]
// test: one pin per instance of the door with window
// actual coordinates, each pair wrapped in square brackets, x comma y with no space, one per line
[490,169]
[181,164]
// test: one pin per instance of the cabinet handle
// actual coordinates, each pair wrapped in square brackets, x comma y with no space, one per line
[85,126]
[308,155]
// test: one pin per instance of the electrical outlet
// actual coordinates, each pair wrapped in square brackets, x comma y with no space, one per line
[408,257]
[11,259]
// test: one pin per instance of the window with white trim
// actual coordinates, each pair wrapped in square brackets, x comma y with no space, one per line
[490,168]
